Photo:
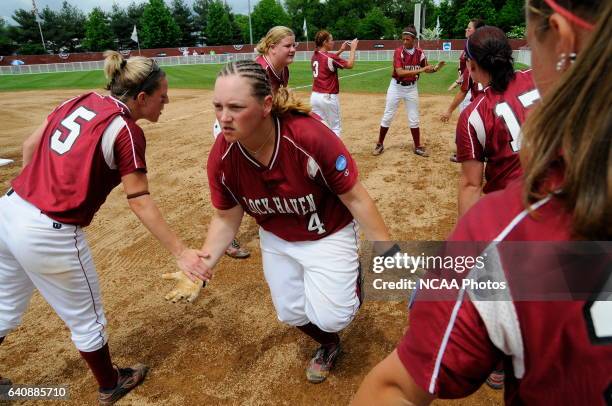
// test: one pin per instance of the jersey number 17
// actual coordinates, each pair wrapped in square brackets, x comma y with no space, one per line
[504,111]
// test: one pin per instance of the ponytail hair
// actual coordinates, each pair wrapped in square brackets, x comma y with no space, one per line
[490,49]
[126,78]
[273,37]
[477,23]
[321,37]
[283,101]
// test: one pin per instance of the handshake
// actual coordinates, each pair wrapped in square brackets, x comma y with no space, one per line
[185,288]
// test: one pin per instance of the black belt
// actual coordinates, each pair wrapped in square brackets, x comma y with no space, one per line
[404,83]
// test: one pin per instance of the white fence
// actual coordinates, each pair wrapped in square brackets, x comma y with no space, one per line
[522,56]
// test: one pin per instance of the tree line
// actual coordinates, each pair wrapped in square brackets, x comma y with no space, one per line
[212,22]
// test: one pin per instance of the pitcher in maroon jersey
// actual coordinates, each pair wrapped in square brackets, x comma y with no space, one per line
[554,353]
[408,64]
[84,149]
[291,173]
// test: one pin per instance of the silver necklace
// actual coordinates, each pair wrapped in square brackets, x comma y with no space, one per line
[255,153]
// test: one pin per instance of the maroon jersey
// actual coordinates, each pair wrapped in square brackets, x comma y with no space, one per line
[409,59]
[468,84]
[552,352]
[462,63]
[325,67]
[295,197]
[489,130]
[277,79]
[89,143]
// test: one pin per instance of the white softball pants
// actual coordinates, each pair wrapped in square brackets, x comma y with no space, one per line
[38,252]
[327,106]
[397,93]
[313,281]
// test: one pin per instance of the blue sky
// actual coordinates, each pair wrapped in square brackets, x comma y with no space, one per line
[8,7]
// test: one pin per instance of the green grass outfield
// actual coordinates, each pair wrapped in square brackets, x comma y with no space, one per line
[366,77]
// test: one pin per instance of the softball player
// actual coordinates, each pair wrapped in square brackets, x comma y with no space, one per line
[325,87]
[277,50]
[408,63]
[86,147]
[290,172]
[451,346]
[489,129]
[468,89]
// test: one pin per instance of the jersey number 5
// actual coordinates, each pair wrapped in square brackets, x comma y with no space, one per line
[504,111]
[74,130]
[315,69]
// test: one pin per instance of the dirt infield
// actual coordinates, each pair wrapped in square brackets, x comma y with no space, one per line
[228,348]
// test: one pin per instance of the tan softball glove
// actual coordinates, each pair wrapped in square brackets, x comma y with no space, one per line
[184,289]
[439,66]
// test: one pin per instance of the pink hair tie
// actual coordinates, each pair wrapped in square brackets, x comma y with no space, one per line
[569,15]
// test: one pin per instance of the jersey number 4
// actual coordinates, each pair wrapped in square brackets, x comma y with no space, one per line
[314,224]
[74,130]
[504,111]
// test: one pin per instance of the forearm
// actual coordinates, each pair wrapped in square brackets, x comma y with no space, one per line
[30,144]
[409,74]
[376,391]
[390,384]
[468,196]
[351,60]
[363,209]
[456,101]
[221,232]
[148,213]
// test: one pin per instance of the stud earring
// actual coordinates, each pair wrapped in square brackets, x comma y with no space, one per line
[563,60]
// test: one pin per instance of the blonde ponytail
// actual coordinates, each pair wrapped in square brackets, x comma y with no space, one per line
[283,102]
[126,78]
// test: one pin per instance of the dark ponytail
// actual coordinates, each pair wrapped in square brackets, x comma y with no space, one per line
[490,49]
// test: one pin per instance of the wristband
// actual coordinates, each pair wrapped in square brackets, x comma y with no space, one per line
[391,251]
[134,195]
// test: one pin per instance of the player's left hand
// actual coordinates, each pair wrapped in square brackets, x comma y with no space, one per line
[439,65]
[429,69]
[185,289]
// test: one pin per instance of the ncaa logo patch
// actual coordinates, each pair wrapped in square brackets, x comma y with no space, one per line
[341,163]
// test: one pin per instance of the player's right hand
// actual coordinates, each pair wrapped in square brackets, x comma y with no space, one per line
[444,117]
[184,289]
[193,263]
[354,44]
